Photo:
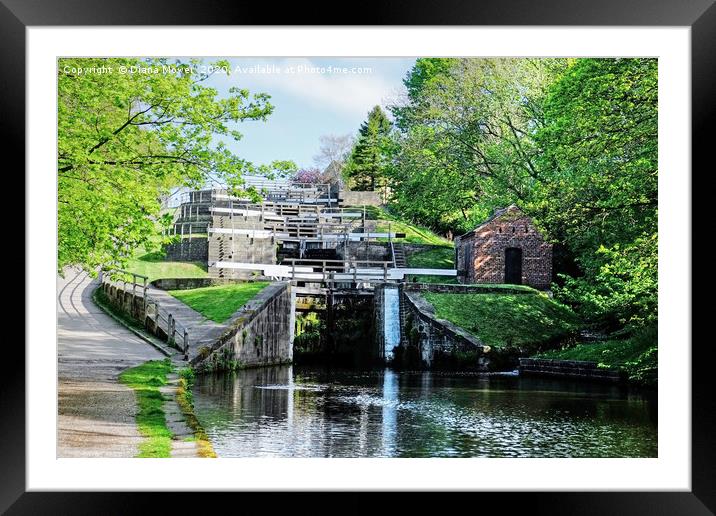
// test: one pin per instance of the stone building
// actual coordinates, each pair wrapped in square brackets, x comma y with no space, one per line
[506,248]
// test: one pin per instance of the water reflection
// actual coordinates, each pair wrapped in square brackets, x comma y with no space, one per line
[289,412]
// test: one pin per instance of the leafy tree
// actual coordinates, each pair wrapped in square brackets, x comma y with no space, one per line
[365,167]
[475,119]
[598,193]
[418,79]
[573,142]
[125,139]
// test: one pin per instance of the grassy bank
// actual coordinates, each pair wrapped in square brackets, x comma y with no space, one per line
[145,380]
[218,303]
[636,355]
[507,320]
[185,400]
[414,233]
[433,258]
[152,264]
[442,257]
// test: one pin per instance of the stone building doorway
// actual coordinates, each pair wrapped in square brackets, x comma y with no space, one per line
[513,265]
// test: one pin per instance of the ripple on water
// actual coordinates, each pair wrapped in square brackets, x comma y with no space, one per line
[368,415]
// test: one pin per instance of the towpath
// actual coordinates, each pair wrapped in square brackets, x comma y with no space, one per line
[96,413]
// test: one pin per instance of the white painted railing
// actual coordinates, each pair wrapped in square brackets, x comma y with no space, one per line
[352,272]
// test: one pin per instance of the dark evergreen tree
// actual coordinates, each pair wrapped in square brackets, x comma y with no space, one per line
[365,167]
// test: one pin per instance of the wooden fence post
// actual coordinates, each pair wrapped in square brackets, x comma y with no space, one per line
[144,295]
[170,321]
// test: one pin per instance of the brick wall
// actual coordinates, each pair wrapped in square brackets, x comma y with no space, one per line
[481,253]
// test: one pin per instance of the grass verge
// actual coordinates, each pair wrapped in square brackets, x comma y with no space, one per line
[414,233]
[153,265]
[507,320]
[185,400]
[146,379]
[441,257]
[218,303]
[637,355]
[433,258]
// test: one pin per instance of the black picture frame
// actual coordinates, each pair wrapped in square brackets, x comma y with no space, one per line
[699,15]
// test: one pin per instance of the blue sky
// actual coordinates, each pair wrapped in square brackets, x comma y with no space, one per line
[311,98]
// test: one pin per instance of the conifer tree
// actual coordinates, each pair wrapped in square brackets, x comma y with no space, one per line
[365,167]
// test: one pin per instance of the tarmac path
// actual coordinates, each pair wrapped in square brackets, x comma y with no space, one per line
[96,413]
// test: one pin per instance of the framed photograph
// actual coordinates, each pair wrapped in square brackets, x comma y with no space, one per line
[447,248]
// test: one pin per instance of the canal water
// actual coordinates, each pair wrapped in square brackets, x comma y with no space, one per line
[299,412]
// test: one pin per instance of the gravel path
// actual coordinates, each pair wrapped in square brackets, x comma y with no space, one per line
[96,413]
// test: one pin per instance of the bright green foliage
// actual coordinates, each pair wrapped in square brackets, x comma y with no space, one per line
[467,145]
[220,302]
[573,142]
[598,191]
[126,139]
[366,164]
[432,258]
[146,379]
[620,285]
[507,320]
[414,233]
[636,355]
[420,78]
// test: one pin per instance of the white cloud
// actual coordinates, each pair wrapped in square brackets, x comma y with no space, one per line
[352,93]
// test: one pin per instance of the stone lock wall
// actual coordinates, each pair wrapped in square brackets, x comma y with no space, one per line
[481,252]
[260,334]
[436,337]
[351,198]
[436,341]
[361,251]
[188,250]
[239,247]
[577,369]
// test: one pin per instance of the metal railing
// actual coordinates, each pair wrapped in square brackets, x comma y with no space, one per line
[177,334]
[355,270]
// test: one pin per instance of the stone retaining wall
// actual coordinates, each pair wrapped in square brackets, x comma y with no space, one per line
[437,339]
[132,305]
[351,198]
[188,250]
[191,283]
[259,334]
[129,303]
[568,369]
